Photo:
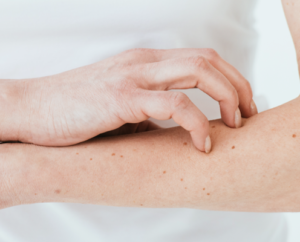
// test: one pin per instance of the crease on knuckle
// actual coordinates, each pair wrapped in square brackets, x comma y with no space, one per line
[211,54]
[198,63]
[179,100]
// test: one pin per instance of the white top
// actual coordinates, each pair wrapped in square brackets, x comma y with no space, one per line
[39,38]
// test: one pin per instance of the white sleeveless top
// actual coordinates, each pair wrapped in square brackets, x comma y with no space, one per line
[39,38]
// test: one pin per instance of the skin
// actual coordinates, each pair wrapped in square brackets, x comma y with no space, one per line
[246,170]
[255,168]
[76,105]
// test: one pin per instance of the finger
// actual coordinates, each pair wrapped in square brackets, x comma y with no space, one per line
[131,128]
[240,83]
[165,105]
[189,73]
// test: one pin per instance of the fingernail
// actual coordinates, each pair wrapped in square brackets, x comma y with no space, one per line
[207,144]
[253,108]
[238,118]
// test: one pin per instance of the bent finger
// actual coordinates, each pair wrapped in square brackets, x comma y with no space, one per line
[163,105]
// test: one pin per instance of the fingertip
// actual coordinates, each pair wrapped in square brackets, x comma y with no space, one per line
[207,144]
[253,108]
[238,118]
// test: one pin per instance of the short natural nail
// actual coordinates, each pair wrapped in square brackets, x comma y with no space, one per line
[238,118]
[253,108]
[207,144]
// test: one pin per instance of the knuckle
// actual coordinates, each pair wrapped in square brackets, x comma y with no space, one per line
[211,53]
[179,100]
[198,63]
[232,95]
[248,87]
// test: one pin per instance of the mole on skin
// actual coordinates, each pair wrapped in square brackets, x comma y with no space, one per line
[91,158]
[203,188]
[185,143]
[141,204]
[121,156]
[113,154]
[232,147]
[57,191]
[294,136]
[213,127]
[181,179]
[164,172]
[76,153]
[208,194]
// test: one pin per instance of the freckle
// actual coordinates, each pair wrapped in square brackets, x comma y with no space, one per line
[141,204]
[185,143]
[139,188]
[294,136]
[121,156]
[164,172]
[204,189]
[276,173]
[57,191]
[233,147]
[134,149]
[113,154]
[185,188]
[208,194]
[102,194]
[211,178]
[76,153]
[35,194]
[213,127]
[91,158]
[181,179]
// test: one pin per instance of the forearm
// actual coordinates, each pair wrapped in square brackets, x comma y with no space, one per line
[254,168]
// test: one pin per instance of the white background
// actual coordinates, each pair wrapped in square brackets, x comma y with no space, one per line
[276,71]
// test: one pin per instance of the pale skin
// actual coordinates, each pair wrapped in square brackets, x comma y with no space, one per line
[76,105]
[246,170]
[254,168]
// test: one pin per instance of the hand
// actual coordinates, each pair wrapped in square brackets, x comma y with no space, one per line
[77,105]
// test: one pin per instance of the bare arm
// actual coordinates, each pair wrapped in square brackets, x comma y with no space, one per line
[254,168]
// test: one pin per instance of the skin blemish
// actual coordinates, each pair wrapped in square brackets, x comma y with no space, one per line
[185,143]
[77,153]
[113,154]
[141,204]
[181,179]
[185,188]
[208,194]
[294,135]
[121,156]
[233,147]
[91,158]
[35,194]
[57,191]
[164,172]
[213,127]
[204,189]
